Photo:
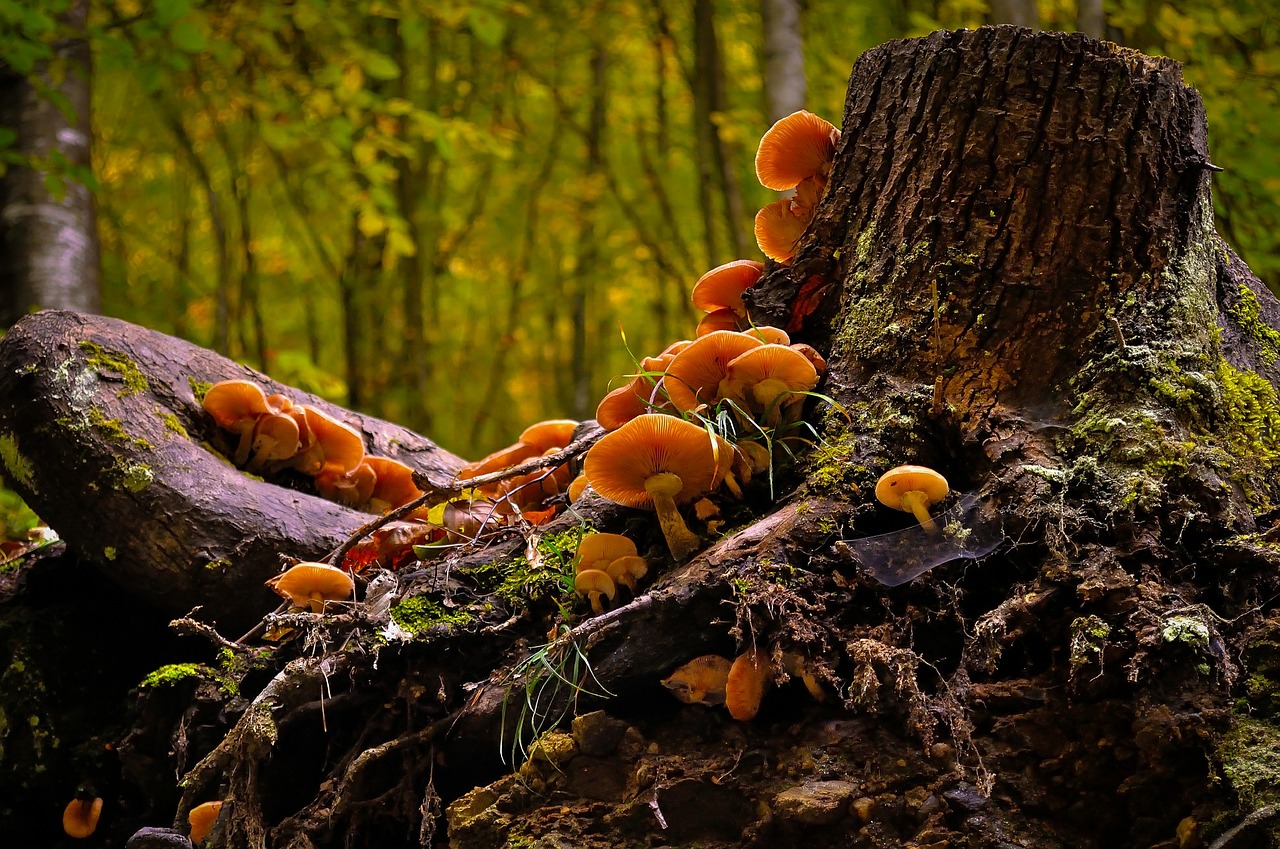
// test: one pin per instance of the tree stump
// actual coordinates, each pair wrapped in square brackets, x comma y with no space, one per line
[1015,278]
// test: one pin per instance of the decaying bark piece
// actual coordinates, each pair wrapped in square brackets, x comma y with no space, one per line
[102,435]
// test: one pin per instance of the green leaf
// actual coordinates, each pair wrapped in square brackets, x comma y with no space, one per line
[380,66]
[188,37]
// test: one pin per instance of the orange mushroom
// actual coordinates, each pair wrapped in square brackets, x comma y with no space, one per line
[394,487]
[913,489]
[744,688]
[201,818]
[312,585]
[332,443]
[722,287]
[795,148]
[548,435]
[597,551]
[80,817]
[576,487]
[594,583]
[769,378]
[778,230]
[695,374]
[236,406]
[659,461]
[353,488]
[275,437]
[628,569]
[701,681]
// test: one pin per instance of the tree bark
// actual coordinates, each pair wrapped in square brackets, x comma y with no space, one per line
[1014,277]
[49,238]
[784,83]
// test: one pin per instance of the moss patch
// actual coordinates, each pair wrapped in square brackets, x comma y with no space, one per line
[114,429]
[19,466]
[170,674]
[418,613]
[1248,315]
[199,388]
[172,423]
[100,359]
[520,582]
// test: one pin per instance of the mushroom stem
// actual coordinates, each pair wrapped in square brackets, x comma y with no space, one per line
[918,503]
[663,488]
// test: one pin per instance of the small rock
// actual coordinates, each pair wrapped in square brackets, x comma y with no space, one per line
[965,795]
[815,802]
[158,838]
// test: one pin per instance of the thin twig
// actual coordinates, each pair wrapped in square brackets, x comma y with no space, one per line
[433,494]
[194,628]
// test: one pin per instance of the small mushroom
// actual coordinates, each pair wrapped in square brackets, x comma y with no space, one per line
[576,487]
[659,461]
[352,488]
[701,681]
[593,583]
[797,147]
[236,406]
[275,437]
[722,287]
[769,378]
[548,435]
[913,489]
[331,443]
[744,688]
[311,585]
[778,229]
[80,817]
[628,569]
[394,487]
[725,319]
[201,818]
[597,551]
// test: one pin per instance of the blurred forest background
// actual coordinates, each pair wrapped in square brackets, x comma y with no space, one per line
[448,212]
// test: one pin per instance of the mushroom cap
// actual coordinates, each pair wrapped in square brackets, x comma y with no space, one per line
[618,466]
[594,581]
[769,334]
[80,817]
[625,403]
[503,458]
[275,437]
[722,287]
[894,483]
[744,688]
[201,818]
[594,548]
[236,404]
[339,444]
[784,369]
[778,230]
[548,435]
[627,569]
[694,375]
[577,486]
[353,488]
[811,354]
[312,584]
[794,148]
[701,681]
[725,319]
[395,484]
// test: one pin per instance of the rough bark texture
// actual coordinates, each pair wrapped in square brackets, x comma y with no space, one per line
[103,436]
[1015,279]
[48,242]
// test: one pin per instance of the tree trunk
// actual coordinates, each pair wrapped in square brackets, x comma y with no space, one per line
[1014,277]
[48,230]
[784,83]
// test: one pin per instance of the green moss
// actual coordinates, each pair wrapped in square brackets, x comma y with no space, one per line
[519,582]
[114,429]
[172,423]
[418,613]
[171,674]
[1253,415]
[1250,758]
[19,466]
[1248,315]
[199,388]
[110,552]
[101,359]
[832,467]
[137,476]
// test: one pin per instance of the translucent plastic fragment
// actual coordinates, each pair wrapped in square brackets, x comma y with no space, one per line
[969,529]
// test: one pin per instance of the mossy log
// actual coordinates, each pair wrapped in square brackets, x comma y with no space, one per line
[103,435]
[1015,279]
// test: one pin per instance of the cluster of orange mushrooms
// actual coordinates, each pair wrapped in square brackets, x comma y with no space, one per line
[738,684]
[274,434]
[795,154]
